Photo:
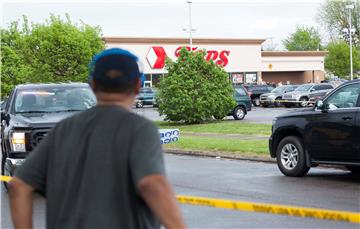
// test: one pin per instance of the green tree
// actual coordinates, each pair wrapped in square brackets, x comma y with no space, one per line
[304,39]
[13,68]
[55,51]
[334,16]
[337,61]
[194,90]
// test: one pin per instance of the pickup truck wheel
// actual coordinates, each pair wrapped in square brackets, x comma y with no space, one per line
[290,157]
[239,113]
[303,102]
[354,169]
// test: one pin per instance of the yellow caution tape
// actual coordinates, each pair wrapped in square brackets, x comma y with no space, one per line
[285,101]
[5,178]
[351,217]
[324,214]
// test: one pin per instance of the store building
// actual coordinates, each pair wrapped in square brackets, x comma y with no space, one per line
[243,59]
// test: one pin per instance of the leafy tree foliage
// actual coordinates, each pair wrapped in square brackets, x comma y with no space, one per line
[335,17]
[338,61]
[55,51]
[304,39]
[194,90]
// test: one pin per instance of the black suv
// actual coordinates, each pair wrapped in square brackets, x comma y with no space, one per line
[29,113]
[328,133]
[255,91]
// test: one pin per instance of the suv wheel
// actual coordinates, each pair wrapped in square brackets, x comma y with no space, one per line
[239,113]
[303,102]
[354,169]
[257,101]
[139,104]
[290,157]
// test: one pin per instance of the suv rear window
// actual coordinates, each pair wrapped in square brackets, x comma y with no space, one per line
[240,91]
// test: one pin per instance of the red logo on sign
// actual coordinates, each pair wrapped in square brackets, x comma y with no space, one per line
[156,57]
[219,58]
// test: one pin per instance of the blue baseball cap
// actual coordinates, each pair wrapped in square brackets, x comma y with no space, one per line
[114,66]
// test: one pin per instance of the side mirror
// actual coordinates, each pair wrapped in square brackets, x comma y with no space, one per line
[319,104]
[312,89]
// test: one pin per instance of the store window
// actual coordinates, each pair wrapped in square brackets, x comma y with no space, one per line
[237,77]
[250,77]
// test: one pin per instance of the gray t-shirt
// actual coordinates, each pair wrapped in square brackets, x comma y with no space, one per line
[88,168]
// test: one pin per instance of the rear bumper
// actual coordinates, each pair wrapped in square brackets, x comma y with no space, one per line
[290,102]
[267,102]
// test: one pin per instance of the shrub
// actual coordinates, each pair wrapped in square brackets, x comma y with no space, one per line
[194,90]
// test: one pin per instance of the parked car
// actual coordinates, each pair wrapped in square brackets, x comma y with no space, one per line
[255,91]
[301,95]
[317,95]
[30,112]
[146,96]
[243,104]
[275,96]
[243,101]
[327,133]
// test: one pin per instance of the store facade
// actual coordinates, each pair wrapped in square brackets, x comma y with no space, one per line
[241,58]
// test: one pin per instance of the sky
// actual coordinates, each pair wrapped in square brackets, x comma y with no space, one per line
[273,20]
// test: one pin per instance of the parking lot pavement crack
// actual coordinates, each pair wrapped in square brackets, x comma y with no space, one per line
[226,136]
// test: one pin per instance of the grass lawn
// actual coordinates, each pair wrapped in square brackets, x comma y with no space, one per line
[221,145]
[221,127]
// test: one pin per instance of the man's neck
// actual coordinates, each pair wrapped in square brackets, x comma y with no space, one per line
[114,99]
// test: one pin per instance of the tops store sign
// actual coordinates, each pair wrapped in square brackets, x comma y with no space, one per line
[156,56]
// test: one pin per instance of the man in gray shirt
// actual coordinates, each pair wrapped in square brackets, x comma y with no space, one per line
[102,168]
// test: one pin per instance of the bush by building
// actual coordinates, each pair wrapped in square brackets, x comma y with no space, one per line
[194,90]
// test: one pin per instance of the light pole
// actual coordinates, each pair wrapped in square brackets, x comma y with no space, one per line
[190,25]
[350,7]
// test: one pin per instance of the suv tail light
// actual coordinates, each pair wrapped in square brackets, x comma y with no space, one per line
[248,92]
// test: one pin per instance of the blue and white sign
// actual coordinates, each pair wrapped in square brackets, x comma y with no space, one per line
[169,135]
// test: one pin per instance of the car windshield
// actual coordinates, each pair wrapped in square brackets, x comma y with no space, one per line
[146,90]
[303,88]
[54,99]
[280,89]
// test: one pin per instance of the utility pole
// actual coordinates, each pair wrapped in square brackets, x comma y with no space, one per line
[190,26]
[350,7]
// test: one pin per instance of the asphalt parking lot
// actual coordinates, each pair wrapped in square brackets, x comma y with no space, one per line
[245,181]
[257,114]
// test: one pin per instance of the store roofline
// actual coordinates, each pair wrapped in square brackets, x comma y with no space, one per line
[162,40]
[292,53]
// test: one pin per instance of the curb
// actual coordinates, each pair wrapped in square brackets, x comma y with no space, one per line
[220,155]
[226,155]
